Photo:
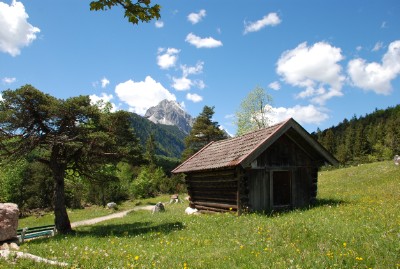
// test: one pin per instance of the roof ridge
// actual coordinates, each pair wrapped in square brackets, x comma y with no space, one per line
[279,126]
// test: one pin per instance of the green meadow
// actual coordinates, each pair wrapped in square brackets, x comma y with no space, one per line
[356,224]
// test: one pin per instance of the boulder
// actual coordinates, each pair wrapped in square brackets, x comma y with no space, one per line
[159,207]
[112,205]
[9,214]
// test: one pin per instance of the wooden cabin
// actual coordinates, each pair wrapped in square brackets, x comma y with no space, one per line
[266,170]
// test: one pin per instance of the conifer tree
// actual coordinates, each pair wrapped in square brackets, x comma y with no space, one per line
[203,132]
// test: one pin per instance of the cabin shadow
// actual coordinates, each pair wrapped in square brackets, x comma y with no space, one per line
[129,229]
[318,203]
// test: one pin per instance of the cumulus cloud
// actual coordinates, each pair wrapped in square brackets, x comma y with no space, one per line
[15,31]
[7,80]
[303,114]
[196,17]
[167,58]
[194,97]
[105,98]
[104,82]
[378,46]
[159,24]
[374,76]
[142,95]
[181,84]
[199,42]
[274,86]
[272,19]
[184,83]
[313,68]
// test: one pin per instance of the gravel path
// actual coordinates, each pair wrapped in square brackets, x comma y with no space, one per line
[111,216]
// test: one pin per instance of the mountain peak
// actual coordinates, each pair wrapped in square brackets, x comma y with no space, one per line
[169,112]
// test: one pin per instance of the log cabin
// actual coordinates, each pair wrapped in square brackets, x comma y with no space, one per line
[271,169]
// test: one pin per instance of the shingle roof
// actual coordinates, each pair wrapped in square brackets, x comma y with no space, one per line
[242,149]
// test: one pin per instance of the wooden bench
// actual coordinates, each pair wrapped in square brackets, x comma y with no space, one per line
[30,233]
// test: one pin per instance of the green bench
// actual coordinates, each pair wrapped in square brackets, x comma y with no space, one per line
[30,233]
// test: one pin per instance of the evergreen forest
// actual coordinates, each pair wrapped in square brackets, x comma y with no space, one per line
[370,138]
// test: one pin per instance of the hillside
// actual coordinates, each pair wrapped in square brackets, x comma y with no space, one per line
[169,139]
[373,137]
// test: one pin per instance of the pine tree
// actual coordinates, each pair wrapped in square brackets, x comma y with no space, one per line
[203,132]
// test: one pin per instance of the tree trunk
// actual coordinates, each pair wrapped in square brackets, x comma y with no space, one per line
[58,167]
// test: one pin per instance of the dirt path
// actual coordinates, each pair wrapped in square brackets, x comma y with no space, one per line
[111,216]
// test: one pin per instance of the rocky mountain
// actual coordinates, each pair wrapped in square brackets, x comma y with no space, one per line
[170,113]
[169,139]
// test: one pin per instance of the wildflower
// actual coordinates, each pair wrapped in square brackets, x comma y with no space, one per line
[344,244]
[359,258]
[230,209]
[136,258]
[241,246]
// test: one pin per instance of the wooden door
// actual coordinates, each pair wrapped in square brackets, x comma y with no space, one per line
[281,192]
[259,187]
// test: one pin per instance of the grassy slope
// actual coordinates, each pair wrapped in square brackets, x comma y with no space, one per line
[356,225]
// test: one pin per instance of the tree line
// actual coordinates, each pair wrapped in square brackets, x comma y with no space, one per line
[369,138]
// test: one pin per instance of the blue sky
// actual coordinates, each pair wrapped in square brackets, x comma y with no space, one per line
[322,61]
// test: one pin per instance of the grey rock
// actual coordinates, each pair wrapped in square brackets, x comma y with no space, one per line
[170,113]
[9,214]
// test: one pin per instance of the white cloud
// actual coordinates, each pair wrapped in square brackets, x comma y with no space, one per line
[192,70]
[313,68]
[7,80]
[184,83]
[104,82]
[199,42]
[15,31]
[374,76]
[142,95]
[159,24]
[377,46]
[303,114]
[275,85]
[167,58]
[272,19]
[196,17]
[194,97]
[105,98]
[359,48]
[384,24]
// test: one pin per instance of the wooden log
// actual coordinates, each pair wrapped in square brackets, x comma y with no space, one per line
[211,180]
[216,205]
[221,173]
[212,209]
[216,199]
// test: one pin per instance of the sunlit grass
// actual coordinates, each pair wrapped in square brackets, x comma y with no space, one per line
[355,225]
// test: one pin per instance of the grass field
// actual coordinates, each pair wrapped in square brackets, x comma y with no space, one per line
[355,225]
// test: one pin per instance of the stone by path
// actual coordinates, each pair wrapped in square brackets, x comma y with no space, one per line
[111,216]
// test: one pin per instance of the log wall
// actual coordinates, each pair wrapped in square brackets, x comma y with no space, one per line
[214,190]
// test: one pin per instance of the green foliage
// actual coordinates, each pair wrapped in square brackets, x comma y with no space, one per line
[374,137]
[135,12]
[148,182]
[70,135]
[254,111]
[355,224]
[204,131]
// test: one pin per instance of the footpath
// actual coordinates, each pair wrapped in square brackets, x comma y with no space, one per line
[111,216]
